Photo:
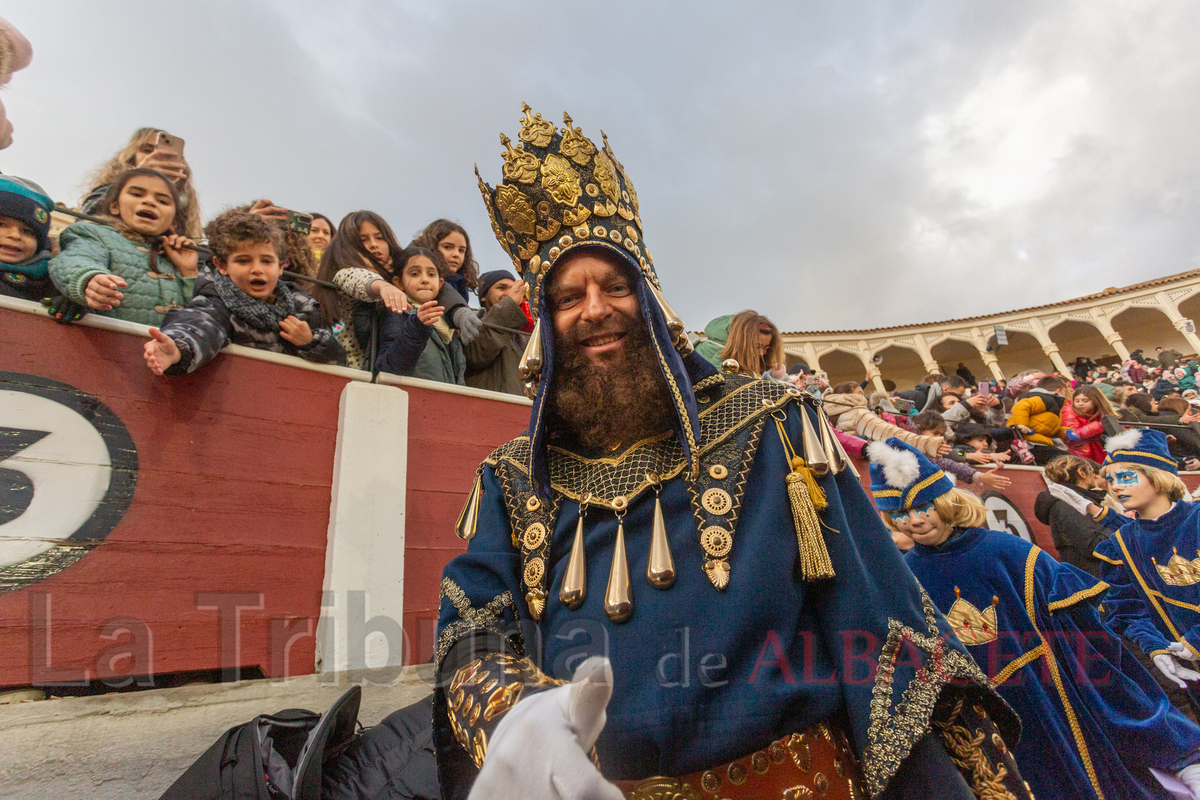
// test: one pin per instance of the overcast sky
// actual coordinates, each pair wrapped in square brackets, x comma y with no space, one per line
[833,165]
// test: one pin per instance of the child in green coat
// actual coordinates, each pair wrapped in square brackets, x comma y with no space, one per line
[138,269]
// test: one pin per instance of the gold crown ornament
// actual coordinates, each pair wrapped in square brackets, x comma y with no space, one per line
[1179,571]
[970,624]
[560,193]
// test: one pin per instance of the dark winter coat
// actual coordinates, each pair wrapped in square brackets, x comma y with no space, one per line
[1075,535]
[409,347]
[494,355]
[206,325]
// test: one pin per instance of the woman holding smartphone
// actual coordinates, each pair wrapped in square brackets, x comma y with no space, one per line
[156,149]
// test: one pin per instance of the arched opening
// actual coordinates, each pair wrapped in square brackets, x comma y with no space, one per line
[902,365]
[1190,308]
[1022,353]
[842,366]
[1076,338]
[793,358]
[1145,328]
[952,352]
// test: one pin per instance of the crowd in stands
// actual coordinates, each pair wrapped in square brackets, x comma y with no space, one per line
[264,276]
[260,275]
[971,429]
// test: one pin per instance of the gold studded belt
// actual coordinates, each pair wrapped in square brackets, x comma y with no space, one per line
[818,763]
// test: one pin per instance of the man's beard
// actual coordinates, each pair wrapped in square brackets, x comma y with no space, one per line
[615,403]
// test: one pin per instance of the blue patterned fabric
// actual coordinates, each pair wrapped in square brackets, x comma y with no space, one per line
[1093,720]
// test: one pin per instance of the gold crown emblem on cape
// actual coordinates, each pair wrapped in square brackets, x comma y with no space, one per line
[1179,571]
[970,624]
[561,192]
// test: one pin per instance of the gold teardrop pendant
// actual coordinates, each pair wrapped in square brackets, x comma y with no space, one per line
[815,457]
[531,360]
[574,585]
[618,598]
[831,444]
[467,520]
[660,570]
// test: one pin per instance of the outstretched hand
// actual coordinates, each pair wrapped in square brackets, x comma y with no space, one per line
[160,352]
[430,312]
[103,291]
[539,751]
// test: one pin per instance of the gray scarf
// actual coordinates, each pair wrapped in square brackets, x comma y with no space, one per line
[264,315]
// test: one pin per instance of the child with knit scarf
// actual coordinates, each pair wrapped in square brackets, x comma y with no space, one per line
[243,303]
[419,342]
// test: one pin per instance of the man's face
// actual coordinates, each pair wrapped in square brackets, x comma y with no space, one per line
[497,291]
[594,307]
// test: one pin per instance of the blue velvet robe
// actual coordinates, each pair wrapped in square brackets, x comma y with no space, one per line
[1143,604]
[704,676]
[1093,720]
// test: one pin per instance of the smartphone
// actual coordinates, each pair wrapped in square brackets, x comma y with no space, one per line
[172,144]
[810,380]
[985,388]
[902,404]
[297,221]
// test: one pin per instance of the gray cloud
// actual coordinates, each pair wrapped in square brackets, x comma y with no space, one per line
[833,165]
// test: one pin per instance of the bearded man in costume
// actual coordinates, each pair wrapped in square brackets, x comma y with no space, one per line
[692,548]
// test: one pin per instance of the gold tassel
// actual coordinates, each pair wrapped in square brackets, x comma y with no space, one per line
[807,498]
[814,556]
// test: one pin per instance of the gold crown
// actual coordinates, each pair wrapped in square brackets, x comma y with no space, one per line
[1179,571]
[561,192]
[970,624]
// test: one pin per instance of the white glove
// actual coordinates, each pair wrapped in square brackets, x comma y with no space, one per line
[539,751]
[1181,650]
[468,323]
[1190,777]
[1173,671]
[1070,497]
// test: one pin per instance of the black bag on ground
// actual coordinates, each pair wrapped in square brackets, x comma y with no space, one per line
[271,757]
[393,760]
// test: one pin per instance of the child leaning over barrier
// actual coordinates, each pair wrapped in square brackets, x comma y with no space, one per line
[24,239]
[1093,720]
[419,343]
[244,303]
[138,269]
